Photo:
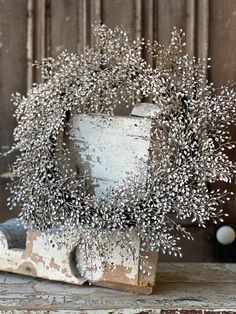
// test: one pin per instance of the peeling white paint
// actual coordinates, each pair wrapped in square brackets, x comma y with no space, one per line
[107,148]
[130,262]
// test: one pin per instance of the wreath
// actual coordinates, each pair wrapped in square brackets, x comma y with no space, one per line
[189,140]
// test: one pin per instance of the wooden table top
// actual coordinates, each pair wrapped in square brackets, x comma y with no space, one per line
[181,288]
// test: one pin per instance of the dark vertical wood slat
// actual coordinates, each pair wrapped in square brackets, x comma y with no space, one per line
[148,25]
[148,19]
[198,250]
[38,36]
[167,15]
[202,32]
[223,66]
[222,40]
[13,71]
[63,26]
[120,13]
[138,18]
[202,51]
[190,26]
[39,29]
[94,17]
[82,25]
[47,30]
[179,14]
[202,28]
[30,38]
[41,34]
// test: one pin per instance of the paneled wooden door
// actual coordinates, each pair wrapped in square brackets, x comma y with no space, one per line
[33,29]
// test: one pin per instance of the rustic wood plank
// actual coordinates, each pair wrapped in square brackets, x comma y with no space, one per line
[180,14]
[41,36]
[95,16]
[222,32]
[13,70]
[121,13]
[199,250]
[30,40]
[38,258]
[222,28]
[190,26]
[148,25]
[82,25]
[64,26]
[89,13]
[197,272]
[20,293]
[31,253]
[167,15]
[138,18]
[202,29]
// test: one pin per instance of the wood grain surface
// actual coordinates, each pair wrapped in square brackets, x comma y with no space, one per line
[110,150]
[20,294]
[13,70]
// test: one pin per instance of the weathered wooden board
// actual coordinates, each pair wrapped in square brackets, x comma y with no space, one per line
[222,30]
[12,79]
[123,13]
[222,26]
[32,254]
[111,149]
[63,26]
[38,258]
[179,14]
[210,292]
[12,69]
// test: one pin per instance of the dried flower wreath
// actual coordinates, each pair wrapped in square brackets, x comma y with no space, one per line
[189,139]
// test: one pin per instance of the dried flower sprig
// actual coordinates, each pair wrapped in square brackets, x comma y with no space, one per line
[187,152]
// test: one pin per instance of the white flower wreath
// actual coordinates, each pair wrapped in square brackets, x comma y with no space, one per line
[187,152]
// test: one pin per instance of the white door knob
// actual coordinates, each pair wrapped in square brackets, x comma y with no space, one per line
[225,235]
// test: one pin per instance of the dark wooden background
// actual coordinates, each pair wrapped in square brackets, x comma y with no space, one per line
[33,29]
